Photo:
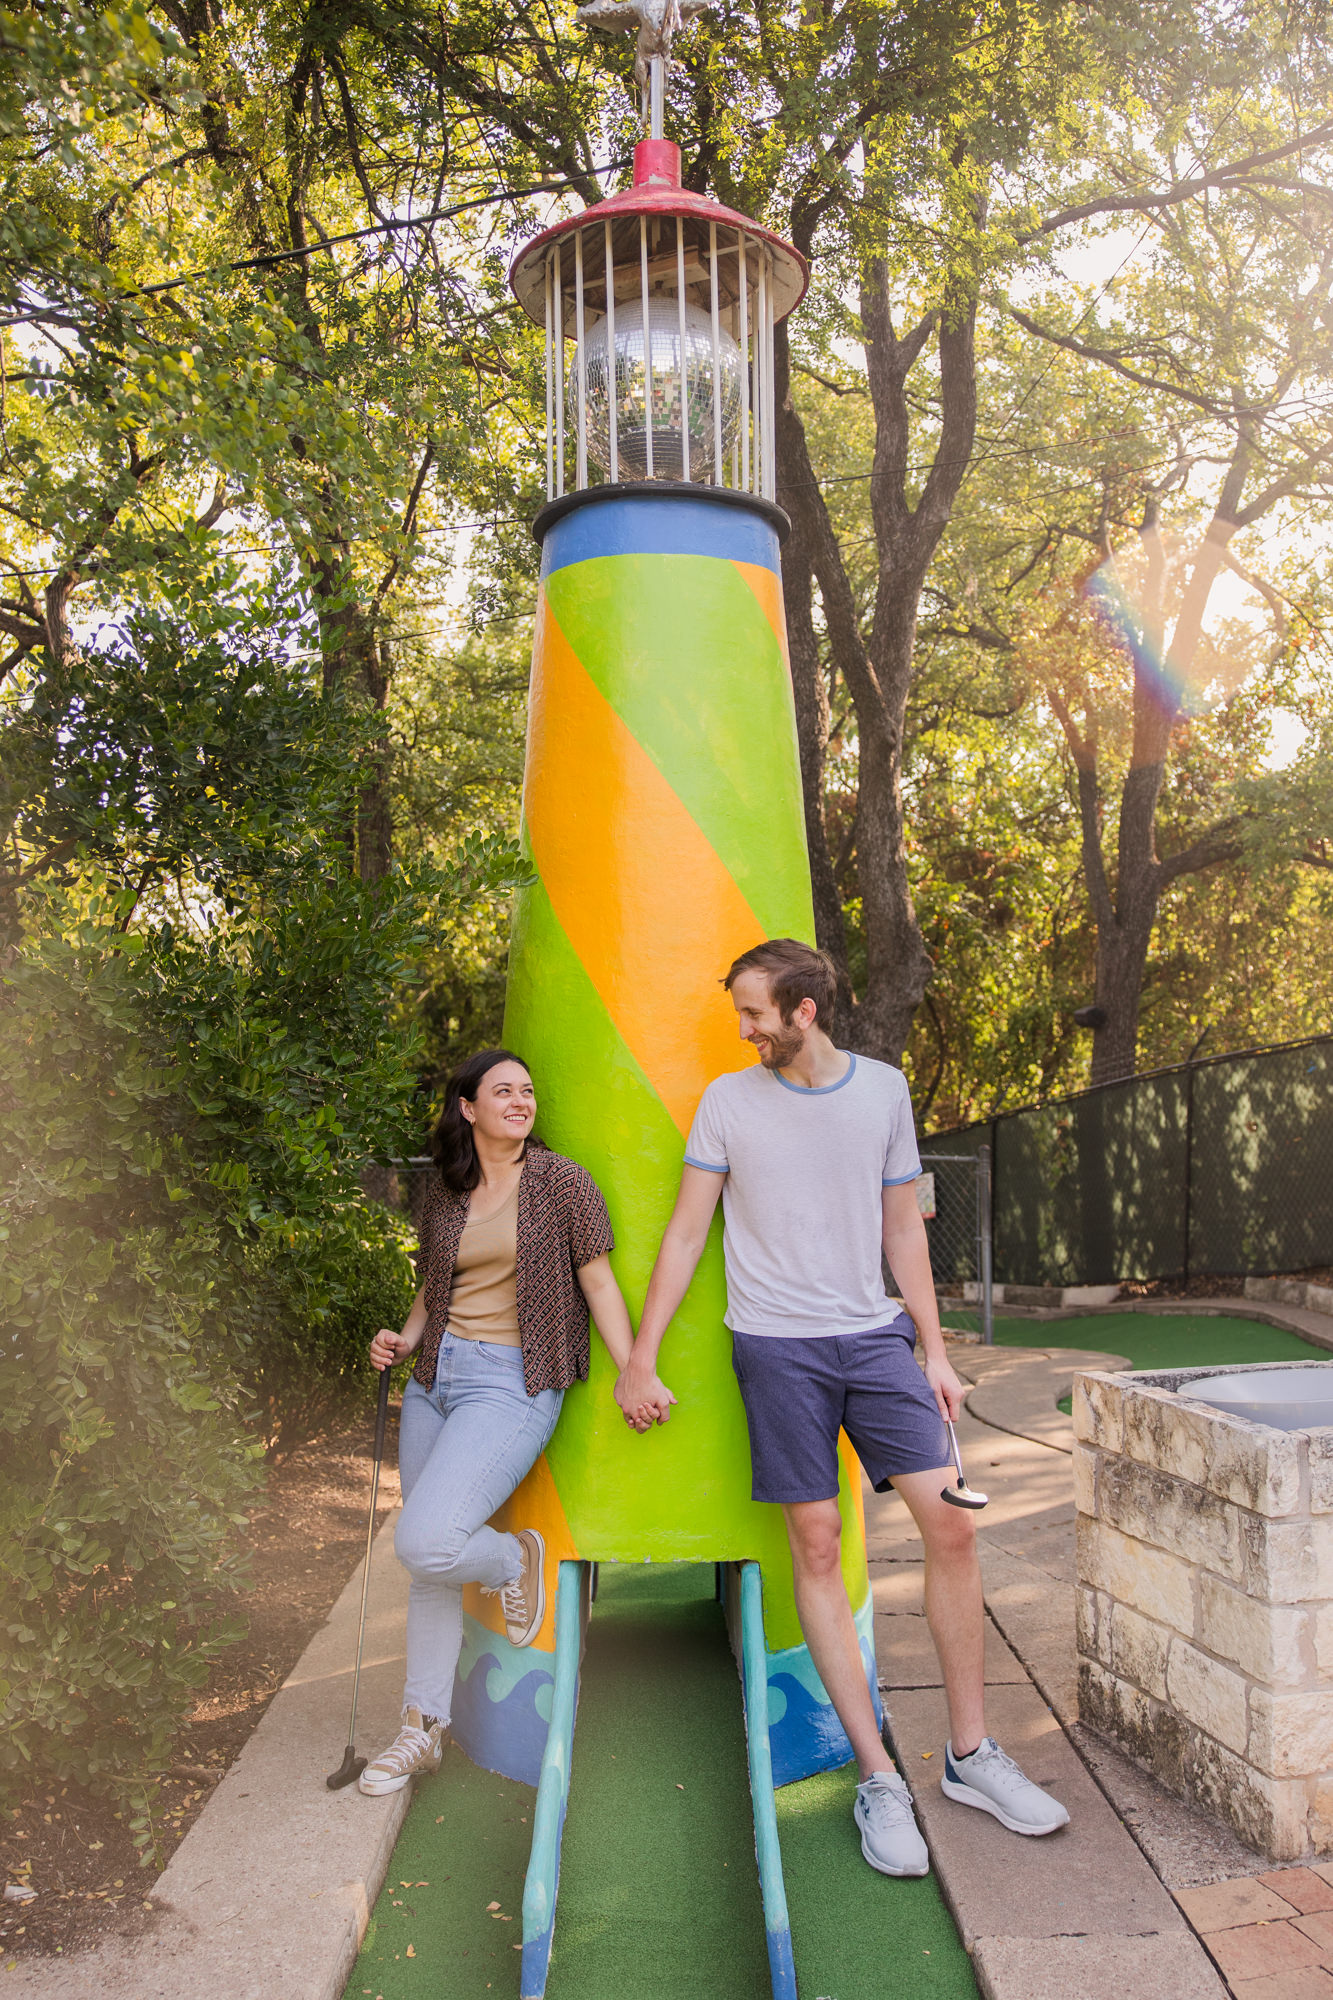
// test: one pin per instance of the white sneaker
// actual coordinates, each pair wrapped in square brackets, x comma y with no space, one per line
[890,1840]
[417,1748]
[524,1600]
[993,1782]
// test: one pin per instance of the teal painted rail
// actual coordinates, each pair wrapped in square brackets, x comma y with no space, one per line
[542,1882]
[768,1853]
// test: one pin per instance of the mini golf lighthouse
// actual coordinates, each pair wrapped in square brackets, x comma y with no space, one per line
[663,818]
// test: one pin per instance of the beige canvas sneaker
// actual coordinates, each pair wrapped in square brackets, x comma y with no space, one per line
[524,1600]
[416,1749]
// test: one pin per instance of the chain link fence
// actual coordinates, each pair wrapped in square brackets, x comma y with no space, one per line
[954,1196]
[1220,1167]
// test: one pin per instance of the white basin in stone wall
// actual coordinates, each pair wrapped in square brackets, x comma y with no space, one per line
[1287,1398]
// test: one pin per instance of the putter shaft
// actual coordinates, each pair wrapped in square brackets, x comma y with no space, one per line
[351,1764]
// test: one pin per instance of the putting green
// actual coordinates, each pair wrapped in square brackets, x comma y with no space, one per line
[659,1896]
[1163,1340]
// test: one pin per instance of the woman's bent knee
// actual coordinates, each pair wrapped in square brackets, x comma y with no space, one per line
[426,1554]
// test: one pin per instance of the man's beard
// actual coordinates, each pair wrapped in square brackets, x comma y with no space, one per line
[783,1048]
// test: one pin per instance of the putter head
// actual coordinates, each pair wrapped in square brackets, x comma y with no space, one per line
[962,1495]
[351,1767]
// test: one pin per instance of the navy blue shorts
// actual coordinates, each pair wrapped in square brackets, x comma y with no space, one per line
[800,1392]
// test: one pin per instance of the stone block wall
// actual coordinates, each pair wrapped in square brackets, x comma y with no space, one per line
[1205,1602]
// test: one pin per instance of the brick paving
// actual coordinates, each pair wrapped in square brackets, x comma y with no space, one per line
[1270,1935]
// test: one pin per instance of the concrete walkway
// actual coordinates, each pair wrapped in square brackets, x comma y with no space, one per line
[1141,1894]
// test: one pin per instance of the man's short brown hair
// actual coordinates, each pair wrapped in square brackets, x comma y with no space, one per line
[794,972]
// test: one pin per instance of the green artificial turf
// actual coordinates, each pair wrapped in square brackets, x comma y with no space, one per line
[659,1896]
[858,1935]
[1163,1340]
[463,1845]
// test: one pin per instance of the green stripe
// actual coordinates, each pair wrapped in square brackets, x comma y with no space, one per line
[680,647]
[682,1491]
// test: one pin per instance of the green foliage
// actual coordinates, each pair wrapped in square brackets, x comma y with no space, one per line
[184,1127]
[320,1293]
[127,1465]
[198,1061]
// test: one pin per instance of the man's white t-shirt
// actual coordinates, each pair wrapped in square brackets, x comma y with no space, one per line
[801,1204]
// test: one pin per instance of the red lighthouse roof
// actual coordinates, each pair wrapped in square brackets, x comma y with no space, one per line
[656,194]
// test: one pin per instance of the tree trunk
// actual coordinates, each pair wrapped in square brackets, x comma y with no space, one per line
[352,654]
[898,966]
[878,675]
[810,692]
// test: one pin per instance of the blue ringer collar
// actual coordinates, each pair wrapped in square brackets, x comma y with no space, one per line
[821,1089]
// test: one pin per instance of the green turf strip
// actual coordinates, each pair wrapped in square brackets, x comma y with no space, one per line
[659,1897]
[659,1894]
[464,1845]
[1163,1340]
[858,1935]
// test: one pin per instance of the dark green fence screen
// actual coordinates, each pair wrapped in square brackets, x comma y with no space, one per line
[1223,1167]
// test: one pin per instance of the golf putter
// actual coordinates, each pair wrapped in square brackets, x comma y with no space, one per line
[961,1495]
[352,1766]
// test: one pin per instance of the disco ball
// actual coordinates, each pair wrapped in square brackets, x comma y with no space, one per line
[632,418]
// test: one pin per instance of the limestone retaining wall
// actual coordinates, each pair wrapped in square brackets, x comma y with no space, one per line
[1205,1602]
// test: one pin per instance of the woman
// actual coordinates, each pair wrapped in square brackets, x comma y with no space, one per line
[515,1242]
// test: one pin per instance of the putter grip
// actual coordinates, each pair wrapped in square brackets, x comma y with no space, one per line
[382,1413]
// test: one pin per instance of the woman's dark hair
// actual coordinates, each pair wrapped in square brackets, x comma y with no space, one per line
[451,1142]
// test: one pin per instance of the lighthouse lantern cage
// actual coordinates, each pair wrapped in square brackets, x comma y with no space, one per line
[658,309]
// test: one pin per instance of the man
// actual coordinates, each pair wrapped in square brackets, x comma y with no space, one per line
[814,1156]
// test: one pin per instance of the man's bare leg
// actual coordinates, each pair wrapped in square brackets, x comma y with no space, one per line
[814,1529]
[955,1610]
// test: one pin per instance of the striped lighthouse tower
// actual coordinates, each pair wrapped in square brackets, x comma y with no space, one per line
[663,822]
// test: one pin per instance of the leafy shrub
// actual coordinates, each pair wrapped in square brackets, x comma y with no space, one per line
[182,1127]
[126,1460]
[198,1056]
[325,1291]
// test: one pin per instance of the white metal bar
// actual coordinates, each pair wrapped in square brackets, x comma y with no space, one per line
[745,361]
[656,92]
[647,343]
[581,365]
[684,379]
[717,355]
[559,372]
[611,385]
[773,373]
[757,370]
[771,383]
[550,364]
[765,357]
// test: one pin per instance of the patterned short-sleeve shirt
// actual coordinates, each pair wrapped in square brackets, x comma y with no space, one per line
[562,1225]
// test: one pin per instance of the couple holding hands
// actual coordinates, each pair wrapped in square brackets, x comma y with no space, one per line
[813,1155]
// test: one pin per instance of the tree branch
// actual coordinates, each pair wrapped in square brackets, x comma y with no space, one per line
[1219,845]
[1179,190]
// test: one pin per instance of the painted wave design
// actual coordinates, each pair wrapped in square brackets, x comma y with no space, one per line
[502,1704]
[805,1734]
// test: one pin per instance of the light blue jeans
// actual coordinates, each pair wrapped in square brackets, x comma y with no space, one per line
[463,1446]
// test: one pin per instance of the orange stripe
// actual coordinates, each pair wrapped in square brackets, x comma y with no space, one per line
[851,1466]
[642,896]
[767,587]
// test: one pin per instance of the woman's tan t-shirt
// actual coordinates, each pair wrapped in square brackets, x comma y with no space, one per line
[483,1304]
